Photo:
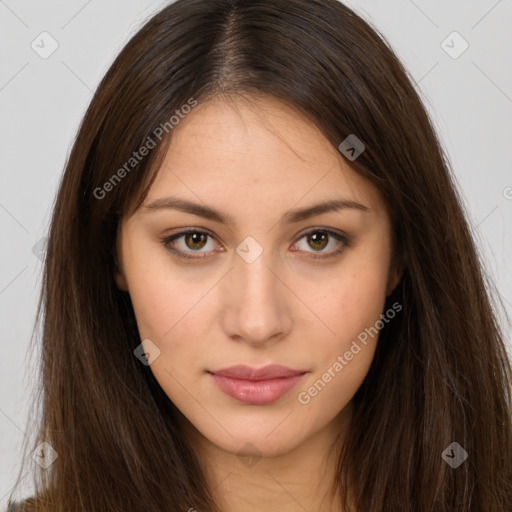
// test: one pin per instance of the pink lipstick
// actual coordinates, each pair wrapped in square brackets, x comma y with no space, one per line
[256,386]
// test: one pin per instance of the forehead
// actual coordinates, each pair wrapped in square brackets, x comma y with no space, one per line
[258,147]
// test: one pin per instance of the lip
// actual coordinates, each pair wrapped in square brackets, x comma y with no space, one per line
[256,386]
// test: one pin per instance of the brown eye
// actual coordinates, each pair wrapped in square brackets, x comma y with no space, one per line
[195,240]
[189,244]
[318,240]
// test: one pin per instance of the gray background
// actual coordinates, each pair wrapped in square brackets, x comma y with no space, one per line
[42,101]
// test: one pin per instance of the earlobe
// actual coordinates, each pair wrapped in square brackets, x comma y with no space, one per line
[119,276]
[121,281]
[395,275]
[392,283]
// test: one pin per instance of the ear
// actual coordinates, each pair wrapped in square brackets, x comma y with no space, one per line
[121,281]
[394,276]
[119,276]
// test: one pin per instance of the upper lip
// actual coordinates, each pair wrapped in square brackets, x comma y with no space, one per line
[246,372]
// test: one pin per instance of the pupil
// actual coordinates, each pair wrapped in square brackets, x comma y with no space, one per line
[318,241]
[314,239]
[196,238]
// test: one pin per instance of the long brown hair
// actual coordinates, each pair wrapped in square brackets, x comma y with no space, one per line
[441,372]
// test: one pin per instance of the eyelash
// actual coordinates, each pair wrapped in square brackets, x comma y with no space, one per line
[166,242]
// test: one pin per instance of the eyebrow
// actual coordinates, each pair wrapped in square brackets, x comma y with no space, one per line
[289,217]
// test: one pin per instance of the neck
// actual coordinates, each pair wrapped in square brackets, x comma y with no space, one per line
[298,480]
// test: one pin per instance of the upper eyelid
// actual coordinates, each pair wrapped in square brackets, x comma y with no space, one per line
[331,231]
[301,234]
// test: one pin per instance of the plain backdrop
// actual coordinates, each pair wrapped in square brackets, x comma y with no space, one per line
[467,91]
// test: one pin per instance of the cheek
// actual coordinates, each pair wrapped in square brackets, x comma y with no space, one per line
[342,359]
[169,310]
[171,318]
[351,308]
[354,301]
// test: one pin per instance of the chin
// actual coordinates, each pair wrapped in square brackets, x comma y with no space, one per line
[260,444]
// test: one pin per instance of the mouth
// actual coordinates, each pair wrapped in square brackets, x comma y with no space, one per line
[256,386]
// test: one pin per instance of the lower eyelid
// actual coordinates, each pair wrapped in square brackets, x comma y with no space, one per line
[342,244]
[167,242]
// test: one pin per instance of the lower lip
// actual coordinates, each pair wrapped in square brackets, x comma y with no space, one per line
[256,392]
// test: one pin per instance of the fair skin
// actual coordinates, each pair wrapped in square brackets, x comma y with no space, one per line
[256,163]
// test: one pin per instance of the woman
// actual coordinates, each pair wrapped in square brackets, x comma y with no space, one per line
[260,289]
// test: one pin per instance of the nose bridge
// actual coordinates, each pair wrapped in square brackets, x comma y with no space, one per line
[255,304]
[257,281]
[252,262]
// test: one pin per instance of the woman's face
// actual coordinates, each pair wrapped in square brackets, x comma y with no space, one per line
[262,279]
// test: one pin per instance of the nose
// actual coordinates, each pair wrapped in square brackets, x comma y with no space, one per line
[255,302]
